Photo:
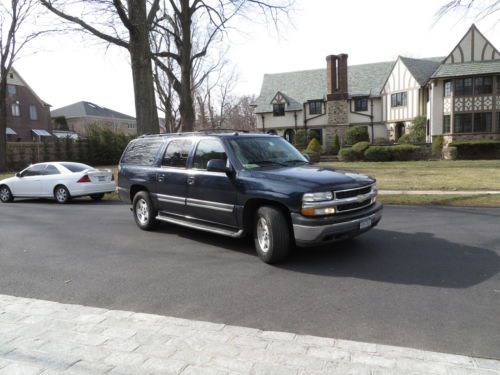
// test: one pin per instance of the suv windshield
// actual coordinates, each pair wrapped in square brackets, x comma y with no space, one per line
[265,151]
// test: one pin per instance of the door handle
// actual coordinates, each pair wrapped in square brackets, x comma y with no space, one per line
[161,177]
[190,180]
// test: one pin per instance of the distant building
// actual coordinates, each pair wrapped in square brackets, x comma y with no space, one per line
[83,115]
[28,116]
[458,94]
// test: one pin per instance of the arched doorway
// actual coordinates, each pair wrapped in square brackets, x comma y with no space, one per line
[290,135]
[399,130]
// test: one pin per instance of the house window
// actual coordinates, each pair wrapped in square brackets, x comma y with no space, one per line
[315,107]
[482,122]
[498,85]
[447,87]
[462,123]
[278,109]
[398,99]
[361,104]
[446,124]
[33,113]
[16,110]
[483,85]
[463,87]
[11,89]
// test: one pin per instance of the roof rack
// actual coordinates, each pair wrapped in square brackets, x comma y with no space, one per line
[198,132]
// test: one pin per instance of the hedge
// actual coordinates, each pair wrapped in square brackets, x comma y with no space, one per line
[474,150]
[348,154]
[392,153]
[357,134]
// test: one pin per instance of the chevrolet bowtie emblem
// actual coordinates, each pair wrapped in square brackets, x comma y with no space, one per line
[362,198]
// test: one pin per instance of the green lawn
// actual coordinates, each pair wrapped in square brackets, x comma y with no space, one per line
[484,200]
[429,175]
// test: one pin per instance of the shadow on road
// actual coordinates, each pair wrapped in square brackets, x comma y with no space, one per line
[400,258]
[74,201]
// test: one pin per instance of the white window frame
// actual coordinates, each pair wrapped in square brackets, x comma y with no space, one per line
[33,113]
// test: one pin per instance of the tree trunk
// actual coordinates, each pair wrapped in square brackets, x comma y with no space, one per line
[186,106]
[3,122]
[142,71]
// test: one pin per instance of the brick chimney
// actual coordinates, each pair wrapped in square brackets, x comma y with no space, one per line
[336,75]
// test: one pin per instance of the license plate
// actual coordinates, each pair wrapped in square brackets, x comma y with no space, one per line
[101,178]
[366,223]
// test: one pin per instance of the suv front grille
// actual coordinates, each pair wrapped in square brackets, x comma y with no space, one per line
[354,206]
[352,193]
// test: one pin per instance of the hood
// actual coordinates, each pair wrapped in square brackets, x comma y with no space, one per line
[7,180]
[314,177]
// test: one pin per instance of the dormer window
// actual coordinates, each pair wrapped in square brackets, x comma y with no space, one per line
[361,104]
[279,109]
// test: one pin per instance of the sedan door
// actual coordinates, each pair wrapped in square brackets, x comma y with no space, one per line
[211,196]
[171,177]
[29,182]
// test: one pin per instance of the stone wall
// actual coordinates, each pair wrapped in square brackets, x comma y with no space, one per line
[338,120]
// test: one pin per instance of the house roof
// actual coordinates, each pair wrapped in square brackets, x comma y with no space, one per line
[422,69]
[301,86]
[88,109]
[467,69]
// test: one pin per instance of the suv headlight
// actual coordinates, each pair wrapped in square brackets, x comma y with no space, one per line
[313,204]
[317,197]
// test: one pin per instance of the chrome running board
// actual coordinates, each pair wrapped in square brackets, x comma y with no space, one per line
[203,227]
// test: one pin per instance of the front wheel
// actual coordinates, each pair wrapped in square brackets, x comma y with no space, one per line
[97,197]
[144,212]
[5,194]
[61,194]
[271,235]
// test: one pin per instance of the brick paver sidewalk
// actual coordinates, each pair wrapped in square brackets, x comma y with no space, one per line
[42,337]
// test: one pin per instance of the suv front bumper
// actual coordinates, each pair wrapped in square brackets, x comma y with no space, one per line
[315,231]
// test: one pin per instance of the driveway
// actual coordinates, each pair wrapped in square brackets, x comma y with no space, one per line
[426,278]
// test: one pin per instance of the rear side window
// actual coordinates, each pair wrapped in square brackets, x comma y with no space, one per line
[177,153]
[51,170]
[76,167]
[142,152]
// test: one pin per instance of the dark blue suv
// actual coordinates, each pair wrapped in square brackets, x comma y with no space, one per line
[236,184]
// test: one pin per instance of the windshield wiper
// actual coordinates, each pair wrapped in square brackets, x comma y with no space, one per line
[266,162]
[296,161]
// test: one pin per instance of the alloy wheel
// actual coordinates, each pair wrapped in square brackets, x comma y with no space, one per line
[142,211]
[263,234]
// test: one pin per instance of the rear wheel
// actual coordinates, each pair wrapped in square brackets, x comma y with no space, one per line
[5,194]
[97,197]
[271,235]
[144,212]
[61,194]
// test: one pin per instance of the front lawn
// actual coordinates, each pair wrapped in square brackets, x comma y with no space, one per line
[429,175]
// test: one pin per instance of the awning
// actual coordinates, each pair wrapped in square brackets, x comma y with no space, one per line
[10,131]
[41,132]
[66,135]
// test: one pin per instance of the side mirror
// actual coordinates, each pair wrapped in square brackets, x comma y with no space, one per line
[307,157]
[18,174]
[218,165]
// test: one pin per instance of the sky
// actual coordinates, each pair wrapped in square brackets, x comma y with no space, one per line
[68,68]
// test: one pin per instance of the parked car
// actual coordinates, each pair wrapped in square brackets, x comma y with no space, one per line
[61,180]
[239,183]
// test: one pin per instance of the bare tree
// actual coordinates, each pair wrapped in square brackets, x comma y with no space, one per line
[176,19]
[126,25]
[16,17]
[478,9]
[240,114]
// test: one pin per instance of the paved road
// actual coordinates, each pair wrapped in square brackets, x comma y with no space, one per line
[427,278]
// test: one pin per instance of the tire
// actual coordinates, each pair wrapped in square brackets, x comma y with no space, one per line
[271,235]
[61,194]
[97,197]
[5,194]
[144,211]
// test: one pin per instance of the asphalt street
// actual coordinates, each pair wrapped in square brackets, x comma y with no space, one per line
[427,277]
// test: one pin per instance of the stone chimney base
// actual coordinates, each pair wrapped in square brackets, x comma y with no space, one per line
[338,120]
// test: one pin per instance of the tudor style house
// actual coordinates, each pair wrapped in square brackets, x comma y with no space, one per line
[82,115]
[28,116]
[459,95]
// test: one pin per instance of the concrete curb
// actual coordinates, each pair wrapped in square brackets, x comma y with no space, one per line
[41,338]
[438,192]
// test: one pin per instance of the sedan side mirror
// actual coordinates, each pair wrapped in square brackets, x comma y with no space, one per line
[18,174]
[218,165]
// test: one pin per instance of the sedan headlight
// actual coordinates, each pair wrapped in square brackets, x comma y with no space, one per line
[317,197]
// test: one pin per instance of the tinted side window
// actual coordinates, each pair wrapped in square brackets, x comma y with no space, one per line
[51,170]
[208,149]
[142,152]
[177,153]
[36,170]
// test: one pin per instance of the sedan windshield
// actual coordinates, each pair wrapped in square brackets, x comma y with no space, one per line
[265,151]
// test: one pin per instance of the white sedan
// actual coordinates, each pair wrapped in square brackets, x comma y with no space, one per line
[61,181]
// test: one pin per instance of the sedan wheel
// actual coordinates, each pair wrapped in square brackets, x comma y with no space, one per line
[5,195]
[62,195]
